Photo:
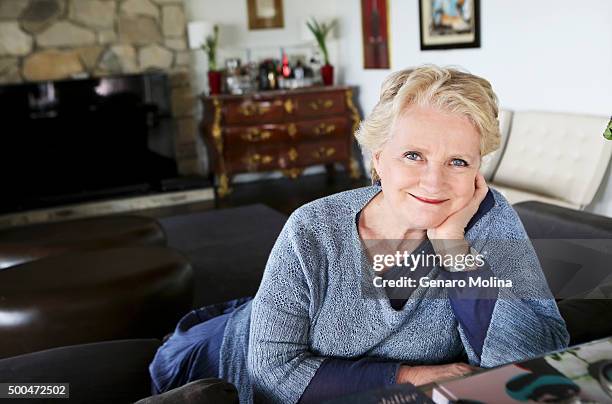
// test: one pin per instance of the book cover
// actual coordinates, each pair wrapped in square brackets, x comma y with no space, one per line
[581,374]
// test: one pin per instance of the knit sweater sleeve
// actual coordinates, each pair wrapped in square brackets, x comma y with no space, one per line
[280,365]
[525,320]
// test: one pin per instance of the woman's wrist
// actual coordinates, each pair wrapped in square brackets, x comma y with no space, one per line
[408,374]
[420,375]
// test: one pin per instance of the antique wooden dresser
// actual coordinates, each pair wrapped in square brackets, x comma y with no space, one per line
[285,130]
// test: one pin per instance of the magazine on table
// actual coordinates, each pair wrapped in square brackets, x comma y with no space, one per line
[579,374]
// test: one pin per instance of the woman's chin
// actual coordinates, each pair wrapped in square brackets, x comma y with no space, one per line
[424,221]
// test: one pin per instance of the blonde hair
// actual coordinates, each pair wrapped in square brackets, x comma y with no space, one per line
[448,89]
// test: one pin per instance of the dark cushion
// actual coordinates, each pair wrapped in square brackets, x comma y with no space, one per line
[33,242]
[204,391]
[87,296]
[586,319]
[543,220]
[574,249]
[104,372]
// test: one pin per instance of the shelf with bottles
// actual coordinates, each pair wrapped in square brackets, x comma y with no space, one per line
[297,67]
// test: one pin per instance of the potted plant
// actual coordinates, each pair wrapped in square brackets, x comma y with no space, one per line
[210,47]
[320,31]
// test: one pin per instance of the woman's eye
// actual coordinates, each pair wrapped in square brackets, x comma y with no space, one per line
[412,155]
[459,163]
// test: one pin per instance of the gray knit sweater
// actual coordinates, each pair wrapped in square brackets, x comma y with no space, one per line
[312,304]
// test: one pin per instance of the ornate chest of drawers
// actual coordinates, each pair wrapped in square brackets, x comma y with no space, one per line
[279,130]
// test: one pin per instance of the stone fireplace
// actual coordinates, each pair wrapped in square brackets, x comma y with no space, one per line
[43,40]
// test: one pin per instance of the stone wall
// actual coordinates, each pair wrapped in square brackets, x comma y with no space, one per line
[54,39]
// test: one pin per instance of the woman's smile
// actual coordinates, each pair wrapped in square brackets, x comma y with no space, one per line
[428,200]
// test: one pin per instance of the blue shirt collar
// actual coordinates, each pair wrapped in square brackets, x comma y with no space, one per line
[486,205]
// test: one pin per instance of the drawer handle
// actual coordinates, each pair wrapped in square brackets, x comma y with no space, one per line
[256,159]
[289,106]
[321,104]
[256,135]
[293,173]
[324,129]
[291,129]
[250,109]
[293,154]
[324,152]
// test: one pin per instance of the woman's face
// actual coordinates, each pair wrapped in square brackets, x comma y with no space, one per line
[431,156]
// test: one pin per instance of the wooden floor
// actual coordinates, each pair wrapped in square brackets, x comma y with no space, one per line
[284,195]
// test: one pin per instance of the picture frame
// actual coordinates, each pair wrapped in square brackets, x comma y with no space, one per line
[375,32]
[265,14]
[449,24]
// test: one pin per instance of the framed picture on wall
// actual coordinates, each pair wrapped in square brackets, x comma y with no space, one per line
[449,24]
[264,14]
[375,31]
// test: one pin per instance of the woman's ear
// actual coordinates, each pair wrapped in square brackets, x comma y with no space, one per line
[376,161]
[376,168]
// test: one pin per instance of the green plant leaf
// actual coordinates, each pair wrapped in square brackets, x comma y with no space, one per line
[209,46]
[608,131]
[320,32]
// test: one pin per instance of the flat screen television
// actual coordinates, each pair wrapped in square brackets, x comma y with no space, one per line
[75,140]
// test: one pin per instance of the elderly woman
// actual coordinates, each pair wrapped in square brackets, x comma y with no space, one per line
[322,326]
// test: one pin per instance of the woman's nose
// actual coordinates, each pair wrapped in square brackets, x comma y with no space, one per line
[432,179]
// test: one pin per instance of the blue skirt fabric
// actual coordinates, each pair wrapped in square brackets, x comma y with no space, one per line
[192,351]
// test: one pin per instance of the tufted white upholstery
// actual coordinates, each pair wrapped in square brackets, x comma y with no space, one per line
[490,162]
[556,155]
[515,196]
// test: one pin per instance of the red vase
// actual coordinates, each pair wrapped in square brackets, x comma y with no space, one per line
[214,82]
[327,74]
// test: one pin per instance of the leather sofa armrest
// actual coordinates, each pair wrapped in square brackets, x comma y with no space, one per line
[587,315]
[101,372]
[586,319]
[204,391]
[543,220]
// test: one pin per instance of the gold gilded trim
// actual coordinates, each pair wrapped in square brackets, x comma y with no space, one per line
[321,104]
[216,128]
[324,152]
[223,179]
[291,129]
[354,112]
[256,135]
[324,129]
[223,190]
[289,106]
[292,173]
[253,160]
[251,108]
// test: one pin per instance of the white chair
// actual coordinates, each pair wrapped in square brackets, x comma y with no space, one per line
[555,158]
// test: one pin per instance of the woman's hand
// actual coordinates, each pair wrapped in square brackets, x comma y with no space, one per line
[454,226]
[420,375]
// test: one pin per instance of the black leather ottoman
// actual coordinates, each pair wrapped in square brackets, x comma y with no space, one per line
[33,242]
[87,296]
